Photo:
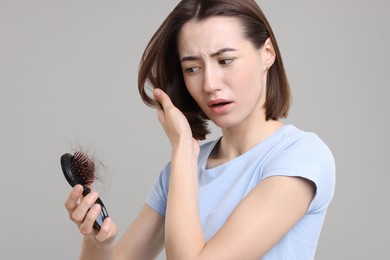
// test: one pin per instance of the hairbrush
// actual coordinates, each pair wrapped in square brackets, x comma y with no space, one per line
[79,169]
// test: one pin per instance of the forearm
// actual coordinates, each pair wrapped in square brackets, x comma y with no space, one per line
[144,238]
[184,236]
[93,250]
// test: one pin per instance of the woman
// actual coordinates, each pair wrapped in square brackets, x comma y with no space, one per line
[259,191]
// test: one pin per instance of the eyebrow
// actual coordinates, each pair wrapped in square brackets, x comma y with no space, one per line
[219,52]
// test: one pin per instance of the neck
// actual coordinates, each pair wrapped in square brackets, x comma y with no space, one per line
[237,141]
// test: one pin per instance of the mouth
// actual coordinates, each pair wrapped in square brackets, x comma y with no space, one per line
[220,106]
[218,103]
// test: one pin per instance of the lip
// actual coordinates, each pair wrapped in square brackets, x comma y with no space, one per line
[219,106]
[215,102]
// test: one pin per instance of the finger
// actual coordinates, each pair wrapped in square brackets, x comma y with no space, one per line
[108,230]
[73,198]
[161,115]
[80,212]
[86,228]
[162,98]
[157,93]
[166,105]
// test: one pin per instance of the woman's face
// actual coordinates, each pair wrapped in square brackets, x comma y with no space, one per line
[223,71]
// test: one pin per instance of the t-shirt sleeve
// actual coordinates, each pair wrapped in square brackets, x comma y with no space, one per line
[157,197]
[307,157]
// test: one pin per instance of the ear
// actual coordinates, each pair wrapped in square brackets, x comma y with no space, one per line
[268,54]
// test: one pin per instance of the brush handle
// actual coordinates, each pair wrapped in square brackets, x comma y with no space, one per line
[103,212]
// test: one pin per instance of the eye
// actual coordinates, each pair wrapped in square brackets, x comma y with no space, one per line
[226,61]
[191,70]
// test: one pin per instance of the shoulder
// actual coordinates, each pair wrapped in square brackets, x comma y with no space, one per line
[304,154]
[298,144]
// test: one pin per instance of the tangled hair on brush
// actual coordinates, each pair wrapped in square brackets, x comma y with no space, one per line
[83,167]
[97,173]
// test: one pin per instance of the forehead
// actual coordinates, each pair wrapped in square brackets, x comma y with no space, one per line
[210,34]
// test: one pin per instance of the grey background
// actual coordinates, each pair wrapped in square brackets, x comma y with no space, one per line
[68,73]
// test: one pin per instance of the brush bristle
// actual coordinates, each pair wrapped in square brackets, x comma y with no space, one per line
[83,168]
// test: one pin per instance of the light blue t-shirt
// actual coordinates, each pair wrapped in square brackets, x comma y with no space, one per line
[287,152]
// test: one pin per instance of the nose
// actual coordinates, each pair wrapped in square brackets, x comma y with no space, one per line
[211,80]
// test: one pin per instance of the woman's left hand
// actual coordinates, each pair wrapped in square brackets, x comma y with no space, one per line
[174,122]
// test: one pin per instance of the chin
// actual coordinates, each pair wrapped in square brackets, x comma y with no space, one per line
[224,124]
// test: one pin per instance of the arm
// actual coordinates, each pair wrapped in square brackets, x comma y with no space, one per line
[142,240]
[265,215]
[253,228]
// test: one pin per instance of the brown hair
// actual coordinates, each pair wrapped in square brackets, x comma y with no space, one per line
[160,65]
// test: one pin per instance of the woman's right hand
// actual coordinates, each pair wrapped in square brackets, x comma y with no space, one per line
[83,212]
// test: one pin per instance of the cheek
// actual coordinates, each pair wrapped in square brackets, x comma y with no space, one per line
[193,87]
[247,70]
[245,79]
[248,85]
[252,76]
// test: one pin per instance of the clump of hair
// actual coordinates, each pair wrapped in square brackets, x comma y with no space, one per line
[84,167]
[95,173]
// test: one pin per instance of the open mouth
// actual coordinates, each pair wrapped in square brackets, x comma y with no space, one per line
[220,104]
